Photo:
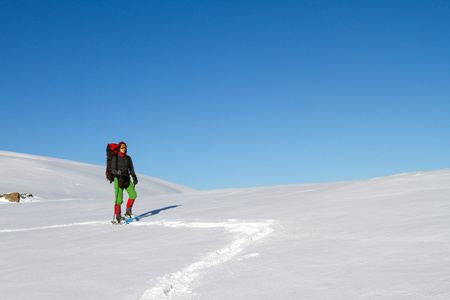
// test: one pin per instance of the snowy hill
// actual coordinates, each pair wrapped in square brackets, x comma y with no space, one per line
[55,178]
[384,238]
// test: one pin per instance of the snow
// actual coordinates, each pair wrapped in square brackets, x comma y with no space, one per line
[383,238]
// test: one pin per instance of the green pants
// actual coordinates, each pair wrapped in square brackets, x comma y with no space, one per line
[119,191]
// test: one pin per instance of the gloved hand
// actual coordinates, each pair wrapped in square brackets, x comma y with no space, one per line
[121,173]
[135,181]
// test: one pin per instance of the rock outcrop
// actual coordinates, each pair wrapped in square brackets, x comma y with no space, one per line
[15,197]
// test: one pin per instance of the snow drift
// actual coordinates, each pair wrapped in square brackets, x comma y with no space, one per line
[383,238]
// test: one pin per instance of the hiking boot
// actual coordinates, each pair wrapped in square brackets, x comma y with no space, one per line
[128,213]
[120,219]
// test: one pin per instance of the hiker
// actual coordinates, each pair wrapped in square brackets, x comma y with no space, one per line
[121,169]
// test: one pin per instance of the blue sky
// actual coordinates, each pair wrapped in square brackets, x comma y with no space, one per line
[219,94]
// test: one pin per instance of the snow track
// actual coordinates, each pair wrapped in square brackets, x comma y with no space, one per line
[178,284]
[56,226]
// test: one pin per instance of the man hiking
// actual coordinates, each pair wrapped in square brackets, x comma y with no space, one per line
[121,169]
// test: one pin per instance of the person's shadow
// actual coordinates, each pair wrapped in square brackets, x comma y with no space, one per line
[156,211]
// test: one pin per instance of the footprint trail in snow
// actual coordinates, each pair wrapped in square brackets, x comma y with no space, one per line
[178,283]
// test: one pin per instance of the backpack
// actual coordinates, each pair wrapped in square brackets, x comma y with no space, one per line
[111,151]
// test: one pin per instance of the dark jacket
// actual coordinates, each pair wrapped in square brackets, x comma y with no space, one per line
[123,163]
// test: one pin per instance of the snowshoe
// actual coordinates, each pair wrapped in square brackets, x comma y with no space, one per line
[134,219]
[119,220]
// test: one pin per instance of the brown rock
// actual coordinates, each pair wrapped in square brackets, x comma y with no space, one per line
[12,197]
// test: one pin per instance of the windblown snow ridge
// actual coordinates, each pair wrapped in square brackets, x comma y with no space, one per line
[178,283]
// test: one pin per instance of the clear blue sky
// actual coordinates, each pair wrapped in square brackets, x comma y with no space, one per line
[218,94]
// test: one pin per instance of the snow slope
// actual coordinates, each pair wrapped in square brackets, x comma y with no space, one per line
[56,178]
[384,238]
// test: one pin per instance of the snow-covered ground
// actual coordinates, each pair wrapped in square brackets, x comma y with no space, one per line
[383,238]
